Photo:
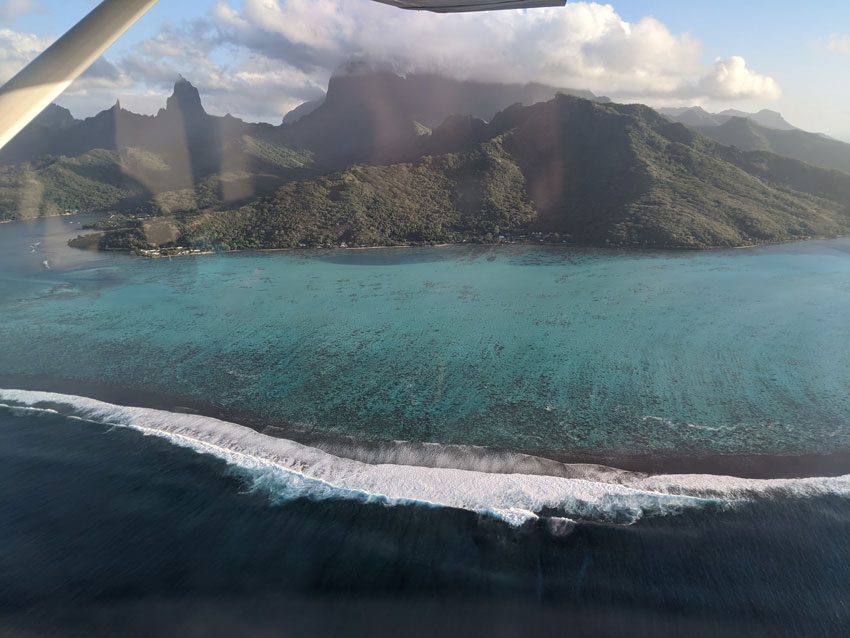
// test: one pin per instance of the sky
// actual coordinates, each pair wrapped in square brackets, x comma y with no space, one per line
[258,59]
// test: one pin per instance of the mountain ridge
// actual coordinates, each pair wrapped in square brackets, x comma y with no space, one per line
[533,172]
[361,170]
[811,148]
[698,116]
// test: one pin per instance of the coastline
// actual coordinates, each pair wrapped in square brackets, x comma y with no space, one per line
[546,462]
[525,242]
[614,248]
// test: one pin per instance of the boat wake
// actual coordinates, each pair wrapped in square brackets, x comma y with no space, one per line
[515,488]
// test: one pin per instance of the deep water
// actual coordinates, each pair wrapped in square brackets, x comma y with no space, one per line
[106,532]
[552,350]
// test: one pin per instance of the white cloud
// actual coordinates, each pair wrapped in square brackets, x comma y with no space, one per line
[731,79]
[16,49]
[839,44]
[94,90]
[11,10]
[259,58]
[583,45]
[231,79]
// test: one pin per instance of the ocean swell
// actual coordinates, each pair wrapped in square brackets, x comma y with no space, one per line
[291,470]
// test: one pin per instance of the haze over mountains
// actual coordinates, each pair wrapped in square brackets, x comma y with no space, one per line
[365,110]
[385,160]
[428,98]
[764,131]
[365,116]
[698,116]
[813,148]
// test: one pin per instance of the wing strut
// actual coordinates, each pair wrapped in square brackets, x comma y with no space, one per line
[43,80]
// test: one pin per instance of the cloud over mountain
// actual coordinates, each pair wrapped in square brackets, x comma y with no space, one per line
[260,58]
[582,44]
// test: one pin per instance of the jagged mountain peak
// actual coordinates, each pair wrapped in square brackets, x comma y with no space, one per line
[764,117]
[184,99]
[55,116]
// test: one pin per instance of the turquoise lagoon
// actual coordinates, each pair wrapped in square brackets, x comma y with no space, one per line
[596,354]
[535,348]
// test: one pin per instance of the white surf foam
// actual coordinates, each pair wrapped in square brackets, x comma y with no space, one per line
[291,470]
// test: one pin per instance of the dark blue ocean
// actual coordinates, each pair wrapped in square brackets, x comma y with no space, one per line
[417,421]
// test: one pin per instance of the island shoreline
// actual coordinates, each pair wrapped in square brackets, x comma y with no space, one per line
[185,251]
[614,248]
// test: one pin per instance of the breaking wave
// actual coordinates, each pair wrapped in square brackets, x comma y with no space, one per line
[515,488]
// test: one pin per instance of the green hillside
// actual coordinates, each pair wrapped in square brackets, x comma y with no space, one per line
[585,171]
[447,198]
[93,181]
[597,174]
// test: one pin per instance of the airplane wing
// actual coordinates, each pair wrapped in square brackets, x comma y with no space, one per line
[45,78]
[457,6]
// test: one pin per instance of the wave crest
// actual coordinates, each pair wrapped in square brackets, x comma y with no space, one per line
[565,492]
